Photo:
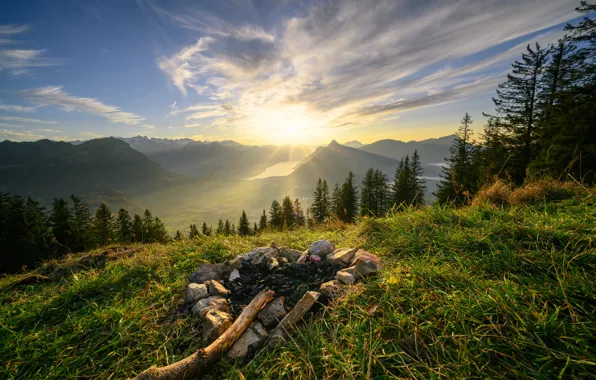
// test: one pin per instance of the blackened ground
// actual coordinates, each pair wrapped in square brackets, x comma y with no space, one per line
[289,280]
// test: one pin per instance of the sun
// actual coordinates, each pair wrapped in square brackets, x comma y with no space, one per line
[284,124]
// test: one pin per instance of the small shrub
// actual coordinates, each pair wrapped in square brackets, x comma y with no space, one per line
[498,193]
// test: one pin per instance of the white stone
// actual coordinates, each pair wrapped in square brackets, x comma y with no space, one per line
[195,292]
[345,277]
[253,338]
[321,248]
[234,275]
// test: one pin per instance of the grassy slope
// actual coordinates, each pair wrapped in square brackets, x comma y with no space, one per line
[477,292]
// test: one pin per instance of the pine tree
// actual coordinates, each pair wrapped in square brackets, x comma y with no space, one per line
[349,196]
[62,223]
[227,228]
[178,236]
[160,233]
[233,231]
[287,212]
[137,229]
[205,230]
[382,194]
[368,202]
[220,227]
[81,224]
[275,216]
[516,102]
[336,203]
[243,225]
[320,206]
[124,230]
[418,183]
[194,231]
[103,225]
[401,188]
[309,221]
[299,218]
[255,229]
[148,227]
[263,222]
[459,177]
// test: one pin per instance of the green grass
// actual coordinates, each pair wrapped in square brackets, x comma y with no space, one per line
[480,292]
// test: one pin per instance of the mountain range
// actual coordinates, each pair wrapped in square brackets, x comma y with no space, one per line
[185,180]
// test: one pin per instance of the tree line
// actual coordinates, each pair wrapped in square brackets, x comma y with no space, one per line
[544,122]
[29,233]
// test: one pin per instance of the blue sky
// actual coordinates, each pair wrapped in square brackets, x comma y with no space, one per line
[273,71]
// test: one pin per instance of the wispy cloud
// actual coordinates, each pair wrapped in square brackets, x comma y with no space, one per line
[48,130]
[26,120]
[7,107]
[20,61]
[56,96]
[6,134]
[351,62]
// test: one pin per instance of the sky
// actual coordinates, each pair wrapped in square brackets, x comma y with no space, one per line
[260,72]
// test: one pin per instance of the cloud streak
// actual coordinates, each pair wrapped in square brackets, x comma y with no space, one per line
[56,96]
[26,120]
[20,61]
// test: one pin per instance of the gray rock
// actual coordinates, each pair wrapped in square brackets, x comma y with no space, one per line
[195,292]
[332,289]
[291,254]
[261,255]
[208,271]
[342,256]
[322,248]
[217,289]
[253,338]
[216,302]
[345,277]
[365,264]
[215,323]
[273,313]
[234,275]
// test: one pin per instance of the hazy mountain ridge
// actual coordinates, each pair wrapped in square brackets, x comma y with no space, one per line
[431,150]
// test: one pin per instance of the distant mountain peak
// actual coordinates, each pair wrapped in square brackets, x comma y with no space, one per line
[334,143]
[354,144]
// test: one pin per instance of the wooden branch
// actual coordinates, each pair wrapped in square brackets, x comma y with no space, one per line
[293,317]
[196,364]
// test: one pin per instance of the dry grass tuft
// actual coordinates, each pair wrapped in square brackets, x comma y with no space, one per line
[501,193]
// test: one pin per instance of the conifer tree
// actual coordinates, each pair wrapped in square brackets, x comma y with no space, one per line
[178,236]
[103,225]
[148,227]
[287,212]
[263,222]
[194,231]
[233,229]
[227,228]
[368,202]
[275,216]
[137,229]
[459,177]
[336,203]
[81,224]
[62,223]
[243,225]
[160,233]
[205,230]
[349,196]
[299,218]
[220,227]
[255,229]
[124,230]
[402,183]
[418,183]
[320,206]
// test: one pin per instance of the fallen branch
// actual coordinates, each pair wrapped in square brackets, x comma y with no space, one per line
[293,317]
[196,364]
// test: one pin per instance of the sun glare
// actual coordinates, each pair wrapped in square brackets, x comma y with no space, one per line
[285,124]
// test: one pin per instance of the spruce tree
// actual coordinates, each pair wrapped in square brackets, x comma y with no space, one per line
[402,186]
[418,183]
[137,229]
[148,227]
[255,229]
[299,218]
[349,196]
[205,230]
[227,228]
[81,224]
[233,231]
[368,202]
[194,231]
[243,225]
[124,230]
[220,227]
[287,212]
[320,205]
[275,216]
[103,225]
[178,236]
[62,223]
[263,222]
[160,233]
[382,194]
[336,203]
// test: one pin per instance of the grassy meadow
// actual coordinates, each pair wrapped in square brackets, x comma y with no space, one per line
[480,292]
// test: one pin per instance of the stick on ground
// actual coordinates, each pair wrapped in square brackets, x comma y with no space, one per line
[196,364]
